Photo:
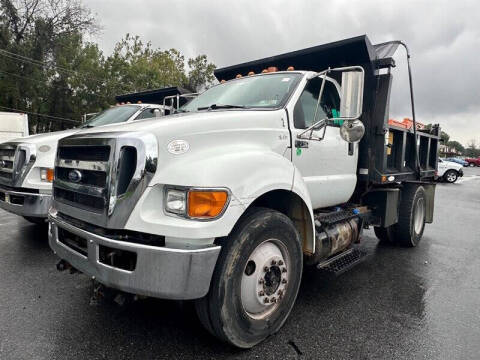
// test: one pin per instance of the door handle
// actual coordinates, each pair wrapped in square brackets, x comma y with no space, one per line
[301,144]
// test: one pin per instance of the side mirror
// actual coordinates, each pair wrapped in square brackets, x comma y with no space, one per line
[351,102]
[352,131]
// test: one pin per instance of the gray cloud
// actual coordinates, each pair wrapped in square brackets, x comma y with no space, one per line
[443,36]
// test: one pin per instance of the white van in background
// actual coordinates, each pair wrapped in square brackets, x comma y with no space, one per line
[13,125]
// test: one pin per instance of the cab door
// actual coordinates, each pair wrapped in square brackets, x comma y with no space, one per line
[328,166]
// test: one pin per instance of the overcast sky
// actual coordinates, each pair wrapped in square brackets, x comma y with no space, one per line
[443,36]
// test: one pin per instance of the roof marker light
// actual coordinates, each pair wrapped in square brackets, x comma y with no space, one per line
[250,73]
[272,69]
[238,76]
[264,71]
[290,68]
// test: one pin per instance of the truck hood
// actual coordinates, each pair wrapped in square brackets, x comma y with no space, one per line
[453,165]
[207,121]
[46,138]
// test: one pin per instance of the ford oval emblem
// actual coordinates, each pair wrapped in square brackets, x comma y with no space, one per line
[177,147]
[75,176]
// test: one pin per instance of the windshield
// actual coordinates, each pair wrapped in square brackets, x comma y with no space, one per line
[265,91]
[113,115]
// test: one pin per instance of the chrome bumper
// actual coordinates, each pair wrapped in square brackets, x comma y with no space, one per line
[25,204]
[159,272]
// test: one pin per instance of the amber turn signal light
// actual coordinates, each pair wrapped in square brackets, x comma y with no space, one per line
[206,204]
[49,175]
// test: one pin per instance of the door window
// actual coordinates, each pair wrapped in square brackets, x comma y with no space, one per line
[149,113]
[304,110]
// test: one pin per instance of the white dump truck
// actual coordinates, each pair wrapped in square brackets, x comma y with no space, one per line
[13,125]
[26,164]
[279,166]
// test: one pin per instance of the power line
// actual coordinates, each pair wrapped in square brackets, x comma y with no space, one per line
[47,116]
[12,56]
[32,79]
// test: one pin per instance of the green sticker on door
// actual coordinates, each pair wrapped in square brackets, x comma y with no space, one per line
[299,151]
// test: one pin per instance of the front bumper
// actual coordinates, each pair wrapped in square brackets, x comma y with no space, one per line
[460,173]
[160,272]
[24,203]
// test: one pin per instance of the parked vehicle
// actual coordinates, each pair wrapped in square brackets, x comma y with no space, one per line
[26,167]
[222,202]
[473,161]
[449,171]
[12,125]
[458,161]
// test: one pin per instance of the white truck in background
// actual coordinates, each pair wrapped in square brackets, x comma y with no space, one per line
[13,125]
[224,202]
[26,163]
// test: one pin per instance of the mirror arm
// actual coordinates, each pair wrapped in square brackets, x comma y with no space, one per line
[313,127]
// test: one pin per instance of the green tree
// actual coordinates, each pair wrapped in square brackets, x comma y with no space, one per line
[457,146]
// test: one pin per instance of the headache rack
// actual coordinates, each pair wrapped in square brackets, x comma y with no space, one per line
[387,154]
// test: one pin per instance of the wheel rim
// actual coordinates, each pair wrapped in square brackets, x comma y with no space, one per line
[419,215]
[265,279]
[451,177]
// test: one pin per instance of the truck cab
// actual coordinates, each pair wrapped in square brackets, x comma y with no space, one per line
[224,202]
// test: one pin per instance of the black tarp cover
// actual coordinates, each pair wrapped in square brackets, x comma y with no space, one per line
[353,51]
[155,96]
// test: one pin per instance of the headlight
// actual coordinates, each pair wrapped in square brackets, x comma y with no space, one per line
[176,201]
[46,174]
[196,203]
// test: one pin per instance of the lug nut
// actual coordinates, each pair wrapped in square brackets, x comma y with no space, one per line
[284,281]
[261,293]
[273,300]
[261,281]
[280,293]
[280,262]
[284,270]
[265,269]
[266,301]
[274,263]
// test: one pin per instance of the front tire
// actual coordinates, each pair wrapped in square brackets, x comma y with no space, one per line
[256,279]
[450,176]
[36,220]
[412,210]
[385,235]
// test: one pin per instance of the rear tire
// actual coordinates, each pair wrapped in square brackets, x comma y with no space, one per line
[471,164]
[450,176]
[412,210]
[260,260]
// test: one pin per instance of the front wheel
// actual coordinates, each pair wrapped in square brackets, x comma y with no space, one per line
[256,280]
[450,176]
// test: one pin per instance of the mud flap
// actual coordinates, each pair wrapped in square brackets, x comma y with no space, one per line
[430,199]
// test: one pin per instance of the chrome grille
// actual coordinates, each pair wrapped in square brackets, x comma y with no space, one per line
[99,179]
[16,159]
[7,156]
[81,174]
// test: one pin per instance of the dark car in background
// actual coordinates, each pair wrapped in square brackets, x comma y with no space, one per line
[458,161]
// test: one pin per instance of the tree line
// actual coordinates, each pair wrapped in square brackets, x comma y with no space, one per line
[48,68]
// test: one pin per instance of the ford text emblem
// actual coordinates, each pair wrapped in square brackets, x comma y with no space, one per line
[75,176]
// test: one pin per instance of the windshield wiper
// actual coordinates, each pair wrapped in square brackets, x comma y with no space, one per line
[222,106]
